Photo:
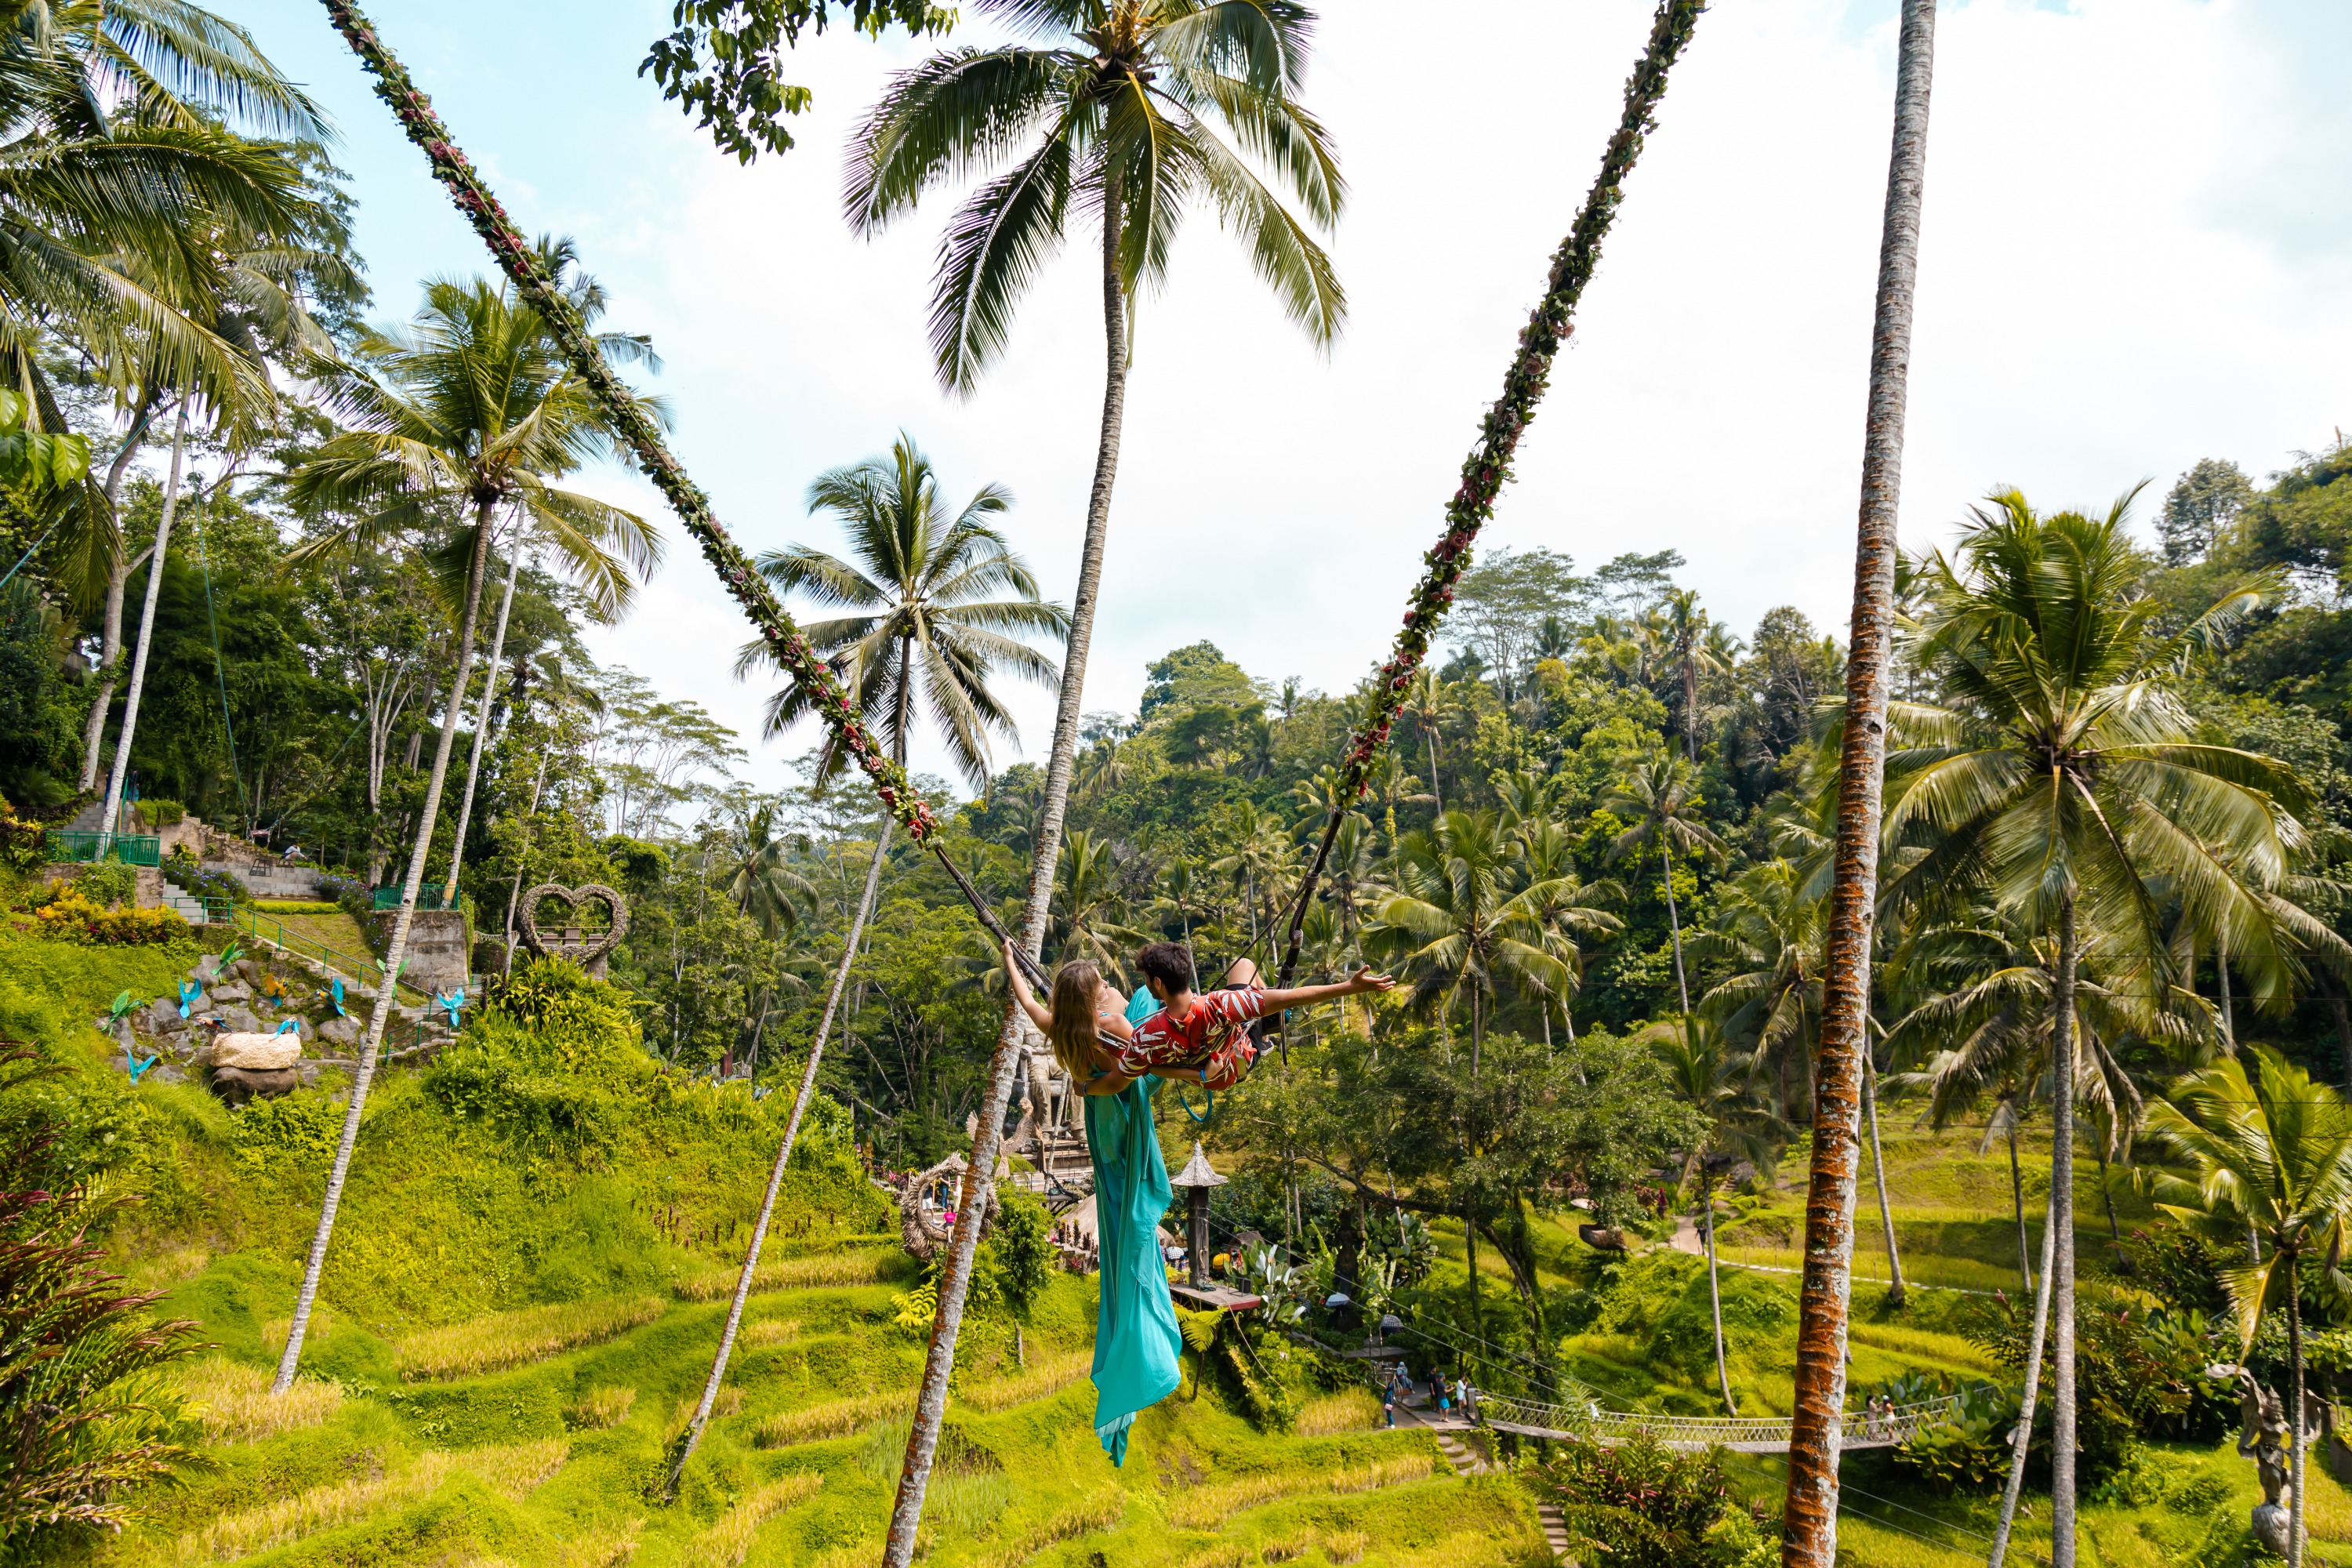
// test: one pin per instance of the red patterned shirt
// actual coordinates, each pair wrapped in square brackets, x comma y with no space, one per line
[1211,1037]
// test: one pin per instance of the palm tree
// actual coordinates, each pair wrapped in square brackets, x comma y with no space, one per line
[755,865]
[1770,933]
[611,590]
[116,214]
[257,308]
[471,406]
[1810,1513]
[1690,650]
[2271,1151]
[1702,1070]
[1657,794]
[1565,906]
[921,626]
[1091,906]
[1457,927]
[1431,705]
[2062,775]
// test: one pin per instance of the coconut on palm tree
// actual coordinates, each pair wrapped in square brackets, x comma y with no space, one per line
[937,603]
[2271,1151]
[2061,773]
[461,417]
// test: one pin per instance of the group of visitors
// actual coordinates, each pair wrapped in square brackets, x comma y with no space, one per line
[1445,1395]
[1081,1249]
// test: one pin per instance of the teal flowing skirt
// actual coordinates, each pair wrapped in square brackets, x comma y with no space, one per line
[1137,1345]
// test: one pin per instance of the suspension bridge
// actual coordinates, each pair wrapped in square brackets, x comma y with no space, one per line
[1589,1422]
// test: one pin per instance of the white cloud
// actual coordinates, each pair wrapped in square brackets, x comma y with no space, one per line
[2129,263]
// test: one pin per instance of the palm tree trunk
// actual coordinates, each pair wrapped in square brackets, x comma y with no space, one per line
[955,1268]
[2229,1015]
[118,577]
[1690,710]
[395,952]
[1714,1289]
[1894,1292]
[1674,922]
[2017,1207]
[481,732]
[2295,1541]
[522,855]
[2025,1436]
[2061,1218]
[1429,733]
[115,776]
[692,1436]
[2107,1194]
[1810,1516]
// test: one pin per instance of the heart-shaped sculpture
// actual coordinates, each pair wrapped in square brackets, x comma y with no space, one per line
[588,953]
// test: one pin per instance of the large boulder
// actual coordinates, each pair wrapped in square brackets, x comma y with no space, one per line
[162,1017]
[237,1020]
[257,1052]
[207,969]
[344,1032]
[235,1086]
[230,990]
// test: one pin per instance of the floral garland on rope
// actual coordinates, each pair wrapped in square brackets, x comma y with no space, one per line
[1489,463]
[793,650]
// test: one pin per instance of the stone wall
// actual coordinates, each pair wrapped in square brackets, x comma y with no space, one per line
[438,959]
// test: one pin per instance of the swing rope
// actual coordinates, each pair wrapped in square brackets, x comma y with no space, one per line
[1483,472]
[1489,462]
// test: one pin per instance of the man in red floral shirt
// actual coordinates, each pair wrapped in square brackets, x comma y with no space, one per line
[1205,1035]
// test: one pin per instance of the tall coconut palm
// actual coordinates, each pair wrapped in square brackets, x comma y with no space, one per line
[1431,705]
[466,412]
[1691,651]
[937,603]
[1809,1512]
[1704,1070]
[2270,1149]
[1565,906]
[754,865]
[2061,774]
[255,304]
[1090,908]
[1458,928]
[613,590]
[122,166]
[1657,796]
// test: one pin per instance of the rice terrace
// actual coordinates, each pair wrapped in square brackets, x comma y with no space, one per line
[584,982]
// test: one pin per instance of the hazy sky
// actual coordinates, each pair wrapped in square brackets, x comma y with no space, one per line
[2137,252]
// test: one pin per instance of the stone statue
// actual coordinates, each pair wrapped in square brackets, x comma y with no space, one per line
[2263,1437]
[588,952]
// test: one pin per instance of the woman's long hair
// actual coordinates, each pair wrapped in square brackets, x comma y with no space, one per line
[1078,991]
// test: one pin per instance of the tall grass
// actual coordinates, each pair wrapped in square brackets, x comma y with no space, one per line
[1349,1410]
[728,1542]
[729,1400]
[511,1339]
[1206,1508]
[513,1470]
[1482,1550]
[600,1408]
[1049,1376]
[770,1332]
[237,1405]
[1098,1510]
[838,1418]
[784,1274]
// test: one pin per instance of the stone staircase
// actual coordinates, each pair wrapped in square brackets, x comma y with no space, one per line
[1060,1154]
[1468,1459]
[186,908]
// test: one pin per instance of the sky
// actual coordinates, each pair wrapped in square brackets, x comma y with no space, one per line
[2135,253]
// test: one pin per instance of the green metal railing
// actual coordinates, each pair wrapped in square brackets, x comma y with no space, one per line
[272,932]
[132,849]
[426,898]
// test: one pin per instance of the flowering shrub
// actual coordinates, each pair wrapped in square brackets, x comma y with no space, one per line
[23,845]
[1642,1506]
[73,917]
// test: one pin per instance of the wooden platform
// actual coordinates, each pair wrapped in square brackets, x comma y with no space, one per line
[1214,1298]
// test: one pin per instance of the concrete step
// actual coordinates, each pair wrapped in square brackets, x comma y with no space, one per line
[1555,1529]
